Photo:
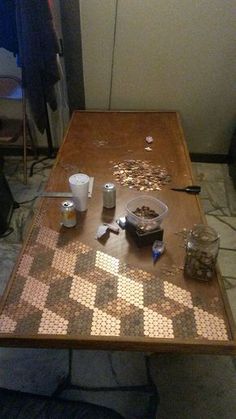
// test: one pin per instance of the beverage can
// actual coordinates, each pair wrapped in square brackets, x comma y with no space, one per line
[68,214]
[109,195]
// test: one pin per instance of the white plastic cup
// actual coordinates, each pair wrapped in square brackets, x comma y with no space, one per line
[79,185]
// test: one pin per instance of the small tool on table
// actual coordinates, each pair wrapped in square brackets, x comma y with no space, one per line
[49,194]
[194,189]
[158,248]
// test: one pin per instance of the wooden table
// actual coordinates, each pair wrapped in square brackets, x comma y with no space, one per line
[69,290]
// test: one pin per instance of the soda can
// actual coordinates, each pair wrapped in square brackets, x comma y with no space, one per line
[109,195]
[68,214]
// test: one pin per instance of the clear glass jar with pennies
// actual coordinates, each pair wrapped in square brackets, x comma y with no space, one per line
[202,248]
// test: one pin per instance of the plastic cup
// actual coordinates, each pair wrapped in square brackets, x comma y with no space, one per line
[79,185]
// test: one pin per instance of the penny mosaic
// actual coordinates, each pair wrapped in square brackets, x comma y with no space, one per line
[64,261]
[7,325]
[25,265]
[107,263]
[178,294]
[156,325]
[47,237]
[130,291]
[209,326]
[133,321]
[64,287]
[104,324]
[83,291]
[35,293]
[51,323]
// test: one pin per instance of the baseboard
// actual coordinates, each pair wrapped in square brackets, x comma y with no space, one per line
[209,158]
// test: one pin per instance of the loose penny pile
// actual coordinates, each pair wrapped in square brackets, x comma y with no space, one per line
[141,175]
[199,264]
[201,253]
[145,212]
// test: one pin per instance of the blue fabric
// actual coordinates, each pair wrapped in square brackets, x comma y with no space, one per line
[8,32]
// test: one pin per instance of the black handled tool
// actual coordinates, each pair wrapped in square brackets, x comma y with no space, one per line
[194,189]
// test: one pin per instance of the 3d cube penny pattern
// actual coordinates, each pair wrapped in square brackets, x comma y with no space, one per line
[64,287]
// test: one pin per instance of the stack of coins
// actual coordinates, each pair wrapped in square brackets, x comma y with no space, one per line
[201,252]
[199,264]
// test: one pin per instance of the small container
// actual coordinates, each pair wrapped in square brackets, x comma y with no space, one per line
[158,248]
[109,195]
[202,248]
[142,223]
[68,214]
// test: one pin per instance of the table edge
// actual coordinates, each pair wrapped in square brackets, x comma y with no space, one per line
[120,343]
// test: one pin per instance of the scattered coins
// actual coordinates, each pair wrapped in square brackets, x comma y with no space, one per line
[199,264]
[201,252]
[141,175]
[171,270]
[145,212]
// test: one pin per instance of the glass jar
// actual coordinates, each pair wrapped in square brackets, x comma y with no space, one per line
[202,248]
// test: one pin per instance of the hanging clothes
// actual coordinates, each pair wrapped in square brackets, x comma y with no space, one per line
[38,49]
[8,32]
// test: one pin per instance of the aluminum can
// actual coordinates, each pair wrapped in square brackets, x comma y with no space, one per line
[68,214]
[109,195]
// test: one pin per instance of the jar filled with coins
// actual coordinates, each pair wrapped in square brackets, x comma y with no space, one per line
[202,248]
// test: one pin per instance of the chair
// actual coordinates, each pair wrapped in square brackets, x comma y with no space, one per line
[11,129]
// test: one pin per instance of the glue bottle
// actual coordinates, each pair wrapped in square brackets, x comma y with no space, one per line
[157,250]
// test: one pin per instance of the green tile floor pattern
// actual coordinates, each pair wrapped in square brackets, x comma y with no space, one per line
[218,199]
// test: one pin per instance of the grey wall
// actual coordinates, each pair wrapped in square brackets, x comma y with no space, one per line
[166,54]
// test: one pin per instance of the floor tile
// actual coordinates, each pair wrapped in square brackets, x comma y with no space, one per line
[209,172]
[207,206]
[229,283]
[227,263]
[231,293]
[204,192]
[227,234]
[217,194]
[226,211]
[215,212]
[230,221]
[8,256]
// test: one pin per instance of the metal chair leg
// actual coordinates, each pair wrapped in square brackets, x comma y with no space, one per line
[32,140]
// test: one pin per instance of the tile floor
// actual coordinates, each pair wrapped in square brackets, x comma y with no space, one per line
[218,199]
[207,383]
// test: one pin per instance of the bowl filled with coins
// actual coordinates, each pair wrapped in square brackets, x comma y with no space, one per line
[146,213]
